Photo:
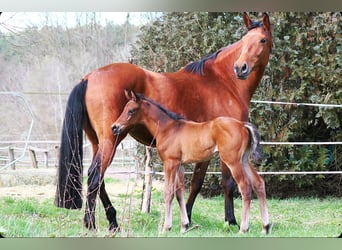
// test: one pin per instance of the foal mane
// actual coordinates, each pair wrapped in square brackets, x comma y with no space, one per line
[170,114]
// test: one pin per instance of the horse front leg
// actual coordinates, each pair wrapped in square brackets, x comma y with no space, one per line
[196,185]
[228,186]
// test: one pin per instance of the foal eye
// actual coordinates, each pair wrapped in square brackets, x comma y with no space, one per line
[131,111]
[263,40]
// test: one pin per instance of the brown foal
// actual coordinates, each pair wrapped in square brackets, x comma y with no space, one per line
[182,141]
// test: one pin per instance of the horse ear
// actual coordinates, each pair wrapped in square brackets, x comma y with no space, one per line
[128,94]
[266,21]
[247,20]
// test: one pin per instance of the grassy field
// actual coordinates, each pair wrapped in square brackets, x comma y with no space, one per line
[33,217]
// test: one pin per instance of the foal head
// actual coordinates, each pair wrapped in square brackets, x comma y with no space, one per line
[256,48]
[131,115]
[144,111]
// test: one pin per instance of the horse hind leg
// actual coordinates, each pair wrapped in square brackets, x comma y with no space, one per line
[93,187]
[196,185]
[109,209]
[96,186]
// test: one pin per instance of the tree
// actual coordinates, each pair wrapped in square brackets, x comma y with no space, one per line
[45,62]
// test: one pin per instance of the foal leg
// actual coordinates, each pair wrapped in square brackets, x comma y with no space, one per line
[180,198]
[245,190]
[258,185]
[169,191]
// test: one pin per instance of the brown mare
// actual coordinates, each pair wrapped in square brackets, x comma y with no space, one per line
[182,141]
[220,84]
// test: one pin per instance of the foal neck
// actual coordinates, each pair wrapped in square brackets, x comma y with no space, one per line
[158,121]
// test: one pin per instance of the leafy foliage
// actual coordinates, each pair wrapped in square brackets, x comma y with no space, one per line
[305,66]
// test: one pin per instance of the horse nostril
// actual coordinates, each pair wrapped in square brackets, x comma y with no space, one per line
[244,68]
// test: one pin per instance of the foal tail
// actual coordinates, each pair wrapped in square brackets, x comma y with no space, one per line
[255,147]
[70,169]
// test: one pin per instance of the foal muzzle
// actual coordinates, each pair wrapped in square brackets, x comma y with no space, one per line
[116,129]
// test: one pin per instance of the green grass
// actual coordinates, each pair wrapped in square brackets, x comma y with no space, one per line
[28,217]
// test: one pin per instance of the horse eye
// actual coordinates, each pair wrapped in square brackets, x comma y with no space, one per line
[263,40]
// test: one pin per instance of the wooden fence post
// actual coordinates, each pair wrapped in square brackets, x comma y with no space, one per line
[46,158]
[33,157]
[11,156]
[146,202]
[56,155]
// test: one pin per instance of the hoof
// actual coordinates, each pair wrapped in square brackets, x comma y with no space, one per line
[189,228]
[167,229]
[243,231]
[233,222]
[185,228]
[267,229]
[90,225]
[114,228]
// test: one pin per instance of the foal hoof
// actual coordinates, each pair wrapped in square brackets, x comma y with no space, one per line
[243,231]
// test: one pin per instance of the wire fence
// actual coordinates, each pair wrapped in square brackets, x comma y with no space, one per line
[126,151]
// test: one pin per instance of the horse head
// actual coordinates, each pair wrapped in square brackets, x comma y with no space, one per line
[256,46]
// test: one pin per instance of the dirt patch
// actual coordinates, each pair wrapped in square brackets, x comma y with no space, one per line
[41,183]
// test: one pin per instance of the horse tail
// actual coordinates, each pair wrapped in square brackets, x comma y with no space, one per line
[254,143]
[70,169]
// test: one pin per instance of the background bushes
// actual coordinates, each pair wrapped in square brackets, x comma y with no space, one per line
[305,66]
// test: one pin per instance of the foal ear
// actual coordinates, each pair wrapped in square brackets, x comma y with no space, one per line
[128,94]
[266,21]
[134,96]
[247,20]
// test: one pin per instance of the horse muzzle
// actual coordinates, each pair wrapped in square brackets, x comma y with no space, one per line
[242,72]
[116,129]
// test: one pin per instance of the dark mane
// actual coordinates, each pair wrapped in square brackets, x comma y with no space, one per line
[198,67]
[172,115]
